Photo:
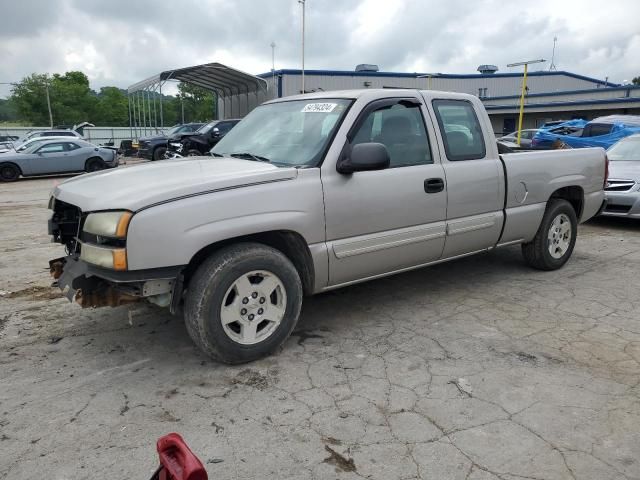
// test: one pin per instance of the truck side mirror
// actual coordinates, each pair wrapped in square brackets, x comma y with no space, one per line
[364,157]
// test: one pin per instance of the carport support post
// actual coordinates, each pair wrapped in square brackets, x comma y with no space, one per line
[129,107]
[161,116]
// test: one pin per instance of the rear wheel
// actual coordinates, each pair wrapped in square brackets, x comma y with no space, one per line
[556,237]
[243,302]
[194,153]
[159,153]
[9,172]
[94,164]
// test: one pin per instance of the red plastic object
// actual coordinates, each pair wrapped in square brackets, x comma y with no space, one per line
[177,461]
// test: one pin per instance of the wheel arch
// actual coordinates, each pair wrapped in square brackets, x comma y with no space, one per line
[574,194]
[14,164]
[95,157]
[289,243]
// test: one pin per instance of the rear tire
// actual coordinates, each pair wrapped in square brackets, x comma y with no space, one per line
[158,153]
[9,172]
[243,303]
[553,244]
[94,165]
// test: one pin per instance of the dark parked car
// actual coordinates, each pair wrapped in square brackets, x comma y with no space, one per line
[204,139]
[154,147]
[8,138]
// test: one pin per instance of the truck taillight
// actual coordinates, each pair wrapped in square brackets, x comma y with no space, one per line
[606,171]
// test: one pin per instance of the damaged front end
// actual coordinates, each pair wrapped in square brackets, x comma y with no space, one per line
[95,273]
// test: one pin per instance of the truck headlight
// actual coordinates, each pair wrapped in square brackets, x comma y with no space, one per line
[112,258]
[108,224]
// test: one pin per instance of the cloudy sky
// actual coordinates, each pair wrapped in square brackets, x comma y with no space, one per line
[118,42]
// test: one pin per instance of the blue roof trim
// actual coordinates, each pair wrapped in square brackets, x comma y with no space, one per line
[563,104]
[567,92]
[349,73]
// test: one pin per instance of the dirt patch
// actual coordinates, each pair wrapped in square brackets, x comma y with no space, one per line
[340,461]
[36,293]
[251,378]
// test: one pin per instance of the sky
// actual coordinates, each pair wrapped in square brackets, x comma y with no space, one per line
[119,42]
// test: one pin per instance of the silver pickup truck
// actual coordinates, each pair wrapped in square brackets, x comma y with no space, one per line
[308,194]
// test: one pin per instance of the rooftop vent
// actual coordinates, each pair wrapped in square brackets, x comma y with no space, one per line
[367,67]
[487,69]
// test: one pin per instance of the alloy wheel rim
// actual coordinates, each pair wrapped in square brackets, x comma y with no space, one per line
[559,236]
[8,173]
[253,307]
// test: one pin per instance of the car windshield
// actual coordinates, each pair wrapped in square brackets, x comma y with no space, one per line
[626,150]
[176,129]
[291,133]
[206,128]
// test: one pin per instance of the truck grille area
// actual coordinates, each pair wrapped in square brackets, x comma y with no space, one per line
[65,224]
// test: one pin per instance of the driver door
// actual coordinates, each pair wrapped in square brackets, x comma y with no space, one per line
[383,221]
[50,158]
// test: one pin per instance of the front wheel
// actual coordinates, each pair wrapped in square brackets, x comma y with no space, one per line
[194,153]
[159,153]
[243,302]
[556,237]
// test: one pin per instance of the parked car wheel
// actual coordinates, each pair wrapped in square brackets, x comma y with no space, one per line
[94,164]
[159,153]
[9,172]
[556,237]
[243,302]
[194,153]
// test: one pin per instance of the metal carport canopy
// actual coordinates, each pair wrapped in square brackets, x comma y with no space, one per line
[214,76]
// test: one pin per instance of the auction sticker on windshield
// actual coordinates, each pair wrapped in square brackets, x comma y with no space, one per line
[319,107]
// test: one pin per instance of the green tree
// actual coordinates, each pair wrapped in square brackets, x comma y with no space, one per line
[199,103]
[29,98]
[636,81]
[8,111]
[112,108]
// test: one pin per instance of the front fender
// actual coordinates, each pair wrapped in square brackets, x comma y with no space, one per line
[170,234]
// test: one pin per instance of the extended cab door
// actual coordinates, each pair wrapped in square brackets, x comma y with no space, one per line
[386,220]
[474,175]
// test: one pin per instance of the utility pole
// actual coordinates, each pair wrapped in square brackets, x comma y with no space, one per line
[46,87]
[302,2]
[273,68]
[524,90]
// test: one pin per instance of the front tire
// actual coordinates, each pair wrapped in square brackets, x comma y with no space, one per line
[553,244]
[243,302]
[194,153]
[9,172]
[159,153]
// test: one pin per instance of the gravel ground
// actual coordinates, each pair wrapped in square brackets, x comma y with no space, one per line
[477,369]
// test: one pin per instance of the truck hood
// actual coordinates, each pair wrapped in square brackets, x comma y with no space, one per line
[625,170]
[134,188]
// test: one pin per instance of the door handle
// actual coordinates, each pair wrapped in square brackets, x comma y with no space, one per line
[433,185]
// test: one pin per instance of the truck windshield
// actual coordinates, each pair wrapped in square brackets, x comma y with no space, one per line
[287,134]
[625,150]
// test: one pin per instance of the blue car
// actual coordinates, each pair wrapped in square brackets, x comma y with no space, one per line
[601,132]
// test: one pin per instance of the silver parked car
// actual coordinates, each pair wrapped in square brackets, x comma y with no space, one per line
[56,156]
[525,138]
[623,188]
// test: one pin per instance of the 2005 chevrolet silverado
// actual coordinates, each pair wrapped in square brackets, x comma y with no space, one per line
[312,193]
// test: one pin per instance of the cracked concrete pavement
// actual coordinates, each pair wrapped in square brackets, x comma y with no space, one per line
[478,369]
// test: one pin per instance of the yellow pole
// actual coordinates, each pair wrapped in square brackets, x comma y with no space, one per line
[524,89]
